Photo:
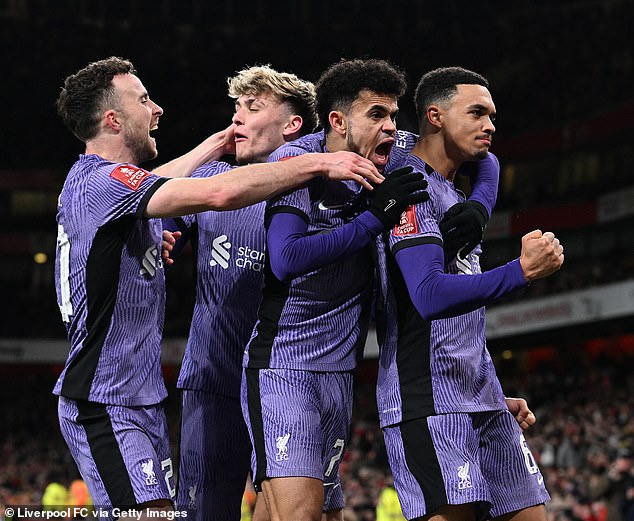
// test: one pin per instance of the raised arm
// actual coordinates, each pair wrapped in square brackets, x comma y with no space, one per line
[293,252]
[436,294]
[484,176]
[463,224]
[250,184]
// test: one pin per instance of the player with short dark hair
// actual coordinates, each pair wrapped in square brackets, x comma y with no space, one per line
[455,450]
[315,310]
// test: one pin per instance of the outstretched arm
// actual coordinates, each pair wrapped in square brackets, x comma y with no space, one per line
[292,252]
[436,294]
[250,184]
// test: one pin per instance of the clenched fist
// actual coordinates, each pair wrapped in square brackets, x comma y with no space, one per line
[542,255]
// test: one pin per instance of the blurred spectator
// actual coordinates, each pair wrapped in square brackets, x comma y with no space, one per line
[388,507]
[54,497]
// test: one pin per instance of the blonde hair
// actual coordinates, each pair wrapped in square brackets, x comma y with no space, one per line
[288,88]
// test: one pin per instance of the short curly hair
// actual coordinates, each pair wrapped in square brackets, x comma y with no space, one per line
[88,92]
[341,83]
[288,88]
[440,85]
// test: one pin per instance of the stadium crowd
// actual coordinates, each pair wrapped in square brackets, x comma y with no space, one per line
[583,438]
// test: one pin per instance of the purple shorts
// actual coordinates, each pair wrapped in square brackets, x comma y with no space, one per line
[299,423]
[453,459]
[122,453]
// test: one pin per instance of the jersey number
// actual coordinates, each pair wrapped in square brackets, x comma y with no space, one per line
[531,464]
[63,245]
[169,474]
[338,445]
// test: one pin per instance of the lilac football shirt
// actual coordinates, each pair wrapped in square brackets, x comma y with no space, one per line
[110,284]
[429,366]
[317,321]
[230,268]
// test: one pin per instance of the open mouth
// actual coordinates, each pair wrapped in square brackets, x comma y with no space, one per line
[152,129]
[239,138]
[382,152]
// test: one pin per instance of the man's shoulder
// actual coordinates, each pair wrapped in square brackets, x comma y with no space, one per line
[212,168]
[306,144]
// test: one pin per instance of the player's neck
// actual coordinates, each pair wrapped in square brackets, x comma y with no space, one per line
[434,154]
[335,142]
[111,150]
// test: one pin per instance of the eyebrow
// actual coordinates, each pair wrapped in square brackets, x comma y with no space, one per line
[247,102]
[383,108]
[481,107]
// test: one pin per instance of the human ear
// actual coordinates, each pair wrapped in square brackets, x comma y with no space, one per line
[112,120]
[293,125]
[434,115]
[338,122]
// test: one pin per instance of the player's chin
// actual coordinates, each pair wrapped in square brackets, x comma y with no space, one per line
[481,154]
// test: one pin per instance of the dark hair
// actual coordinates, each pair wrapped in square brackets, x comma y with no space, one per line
[440,85]
[88,92]
[342,82]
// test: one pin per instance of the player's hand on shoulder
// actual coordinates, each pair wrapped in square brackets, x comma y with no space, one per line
[542,255]
[403,187]
[462,228]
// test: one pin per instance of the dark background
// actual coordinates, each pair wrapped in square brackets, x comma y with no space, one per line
[548,62]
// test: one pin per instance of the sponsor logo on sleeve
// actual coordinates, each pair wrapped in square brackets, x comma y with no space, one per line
[407,225]
[129,175]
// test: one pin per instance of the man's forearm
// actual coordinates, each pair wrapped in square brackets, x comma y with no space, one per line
[234,189]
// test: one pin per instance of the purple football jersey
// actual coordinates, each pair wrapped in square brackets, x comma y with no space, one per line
[230,267]
[317,321]
[403,145]
[110,284]
[429,366]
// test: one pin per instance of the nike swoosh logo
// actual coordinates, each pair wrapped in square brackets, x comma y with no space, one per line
[390,203]
[322,206]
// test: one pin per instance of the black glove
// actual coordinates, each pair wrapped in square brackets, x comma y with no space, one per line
[462,227]
[400,189]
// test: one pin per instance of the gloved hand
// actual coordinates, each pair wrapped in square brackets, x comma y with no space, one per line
[400,189]
[462,227]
